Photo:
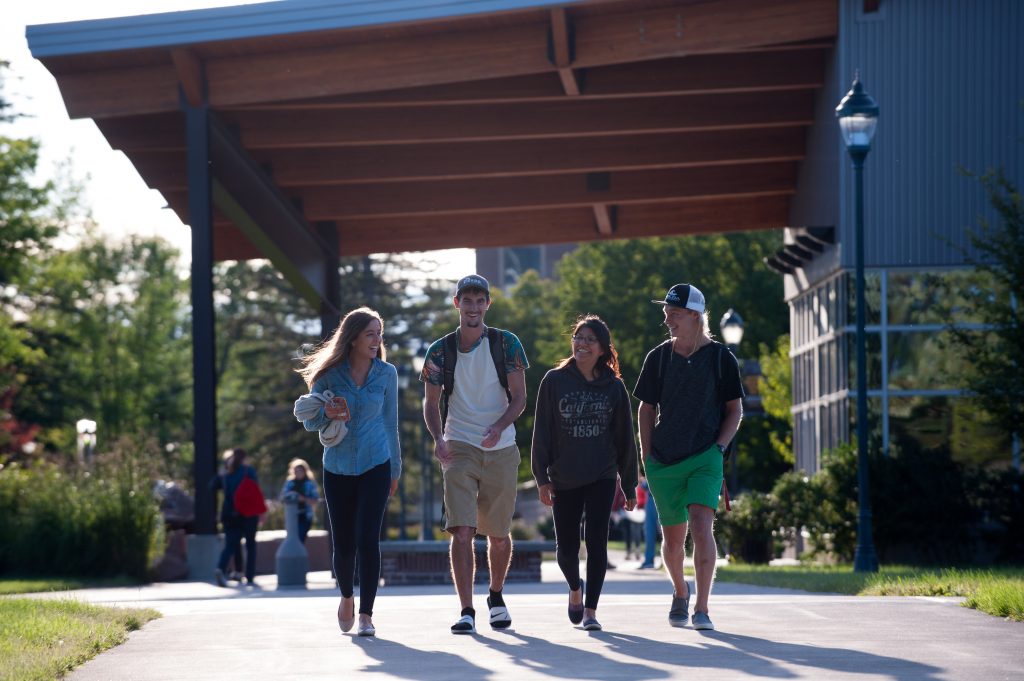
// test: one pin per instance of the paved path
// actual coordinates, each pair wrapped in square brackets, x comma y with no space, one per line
[266,634]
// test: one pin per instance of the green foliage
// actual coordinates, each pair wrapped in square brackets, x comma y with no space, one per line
[995,370]
[777,394]
[747,530]
[109,319]
[92,523]
[45,639]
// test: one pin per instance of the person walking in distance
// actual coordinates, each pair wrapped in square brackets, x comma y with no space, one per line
[583,442]
[474,388]
[691,406]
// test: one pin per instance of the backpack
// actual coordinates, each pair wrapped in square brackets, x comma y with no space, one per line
[248,498]
[450,343]
[663,365]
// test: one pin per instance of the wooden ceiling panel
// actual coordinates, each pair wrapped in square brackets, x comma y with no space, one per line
[462,160]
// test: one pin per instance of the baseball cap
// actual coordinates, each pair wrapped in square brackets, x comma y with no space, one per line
[472,281]
[684,295]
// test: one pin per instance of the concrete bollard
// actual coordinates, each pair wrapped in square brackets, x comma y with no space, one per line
[292,559]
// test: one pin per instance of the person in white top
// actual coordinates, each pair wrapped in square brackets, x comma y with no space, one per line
[474,388]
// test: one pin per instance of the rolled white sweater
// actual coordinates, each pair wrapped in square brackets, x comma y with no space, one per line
[308,406]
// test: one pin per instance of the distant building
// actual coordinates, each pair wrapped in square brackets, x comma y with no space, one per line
[503,266]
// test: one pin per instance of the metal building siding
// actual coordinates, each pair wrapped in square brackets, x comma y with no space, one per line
[947,75]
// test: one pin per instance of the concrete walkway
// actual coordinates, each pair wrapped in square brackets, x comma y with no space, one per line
[264,634]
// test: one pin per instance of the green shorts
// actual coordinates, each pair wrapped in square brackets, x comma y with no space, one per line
[696,480]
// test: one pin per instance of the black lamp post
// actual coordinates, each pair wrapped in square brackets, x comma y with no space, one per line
[732,328]
[403,384]
[858,115]
[426,465]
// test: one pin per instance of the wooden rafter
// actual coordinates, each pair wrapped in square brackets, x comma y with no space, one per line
[562,48]
[189,69]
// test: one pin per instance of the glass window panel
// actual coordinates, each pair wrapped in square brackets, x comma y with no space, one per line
[923,360]
[938,297]
[874,359]
[874,421]
[872,296]
[958,423]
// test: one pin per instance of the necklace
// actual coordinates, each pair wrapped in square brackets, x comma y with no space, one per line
[692,350]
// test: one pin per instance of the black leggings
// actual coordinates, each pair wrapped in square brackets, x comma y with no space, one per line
[356,505]
[596,500]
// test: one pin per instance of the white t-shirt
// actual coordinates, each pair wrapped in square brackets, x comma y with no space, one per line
[478,400]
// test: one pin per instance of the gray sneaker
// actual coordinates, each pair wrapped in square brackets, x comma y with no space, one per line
[702,622]
[679,614]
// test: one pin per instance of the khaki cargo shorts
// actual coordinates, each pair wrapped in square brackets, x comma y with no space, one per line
[480,488]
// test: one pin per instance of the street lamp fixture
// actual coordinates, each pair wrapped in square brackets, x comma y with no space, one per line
[858,116]
[86,439]
[732,328]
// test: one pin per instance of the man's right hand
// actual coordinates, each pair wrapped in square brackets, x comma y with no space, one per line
[442,451]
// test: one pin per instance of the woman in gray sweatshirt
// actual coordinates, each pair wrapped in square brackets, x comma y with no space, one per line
[582,441]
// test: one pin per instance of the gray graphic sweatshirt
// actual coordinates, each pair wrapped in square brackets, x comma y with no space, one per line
[583,431]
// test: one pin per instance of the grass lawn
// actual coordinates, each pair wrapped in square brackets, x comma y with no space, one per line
[44,639]
[10,586]
[996,591]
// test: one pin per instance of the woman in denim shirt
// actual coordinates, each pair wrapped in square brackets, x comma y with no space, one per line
[360,472]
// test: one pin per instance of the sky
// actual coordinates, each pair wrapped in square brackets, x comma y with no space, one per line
[120,202]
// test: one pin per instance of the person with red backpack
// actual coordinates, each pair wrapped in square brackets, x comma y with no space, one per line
[239,513]
[474,389]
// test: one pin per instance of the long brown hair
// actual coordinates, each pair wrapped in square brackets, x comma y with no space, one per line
[234,458]
[336,349]
[609,357]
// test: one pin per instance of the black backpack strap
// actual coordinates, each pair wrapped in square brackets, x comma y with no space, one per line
[450,346]
[496,340]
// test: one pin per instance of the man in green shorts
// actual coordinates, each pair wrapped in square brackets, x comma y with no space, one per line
[691,406]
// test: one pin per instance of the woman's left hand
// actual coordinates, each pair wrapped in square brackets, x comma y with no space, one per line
[394,487]
[630,504]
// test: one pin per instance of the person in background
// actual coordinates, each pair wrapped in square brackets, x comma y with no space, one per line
[236,527]
[303,484]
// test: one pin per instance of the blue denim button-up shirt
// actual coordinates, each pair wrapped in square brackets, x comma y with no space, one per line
[372,435]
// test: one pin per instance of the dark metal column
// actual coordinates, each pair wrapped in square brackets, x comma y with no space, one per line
[330,315]
[204,388]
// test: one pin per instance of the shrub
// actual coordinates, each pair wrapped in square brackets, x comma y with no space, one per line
[71,522]
[747,530]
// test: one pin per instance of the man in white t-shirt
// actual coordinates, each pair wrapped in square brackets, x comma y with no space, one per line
[474,389]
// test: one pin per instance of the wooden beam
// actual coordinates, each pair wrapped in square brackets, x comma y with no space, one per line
[794,68]
[604,219]
[500,194]
[562,48]
[360,237]
[189,69]
[456,56]
[462,160]
[567,118]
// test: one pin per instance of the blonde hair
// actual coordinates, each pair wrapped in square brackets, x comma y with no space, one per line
[335,349]
[300,462]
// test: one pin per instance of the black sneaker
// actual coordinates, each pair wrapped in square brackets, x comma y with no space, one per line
[500,619]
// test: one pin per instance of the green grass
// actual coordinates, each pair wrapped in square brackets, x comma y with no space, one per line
[10,586]
[44,639]
[996,591]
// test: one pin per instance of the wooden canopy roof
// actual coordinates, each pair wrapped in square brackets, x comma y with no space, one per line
[484,123]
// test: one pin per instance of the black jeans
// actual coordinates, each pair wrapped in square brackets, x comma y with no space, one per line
[595,500]
[234,530]
[356,505]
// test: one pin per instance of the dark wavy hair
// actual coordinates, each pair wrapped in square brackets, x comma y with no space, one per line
[609,357]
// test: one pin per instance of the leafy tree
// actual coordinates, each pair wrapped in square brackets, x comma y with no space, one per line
[777,394]
[994,369]
[109,319]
